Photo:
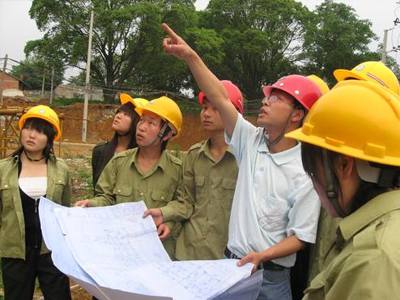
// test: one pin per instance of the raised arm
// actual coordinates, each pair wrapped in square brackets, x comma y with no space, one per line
[208,83]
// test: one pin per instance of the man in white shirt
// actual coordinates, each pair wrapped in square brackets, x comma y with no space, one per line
[275,208]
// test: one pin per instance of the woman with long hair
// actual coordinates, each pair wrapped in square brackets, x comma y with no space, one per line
[124,126]
[27,174]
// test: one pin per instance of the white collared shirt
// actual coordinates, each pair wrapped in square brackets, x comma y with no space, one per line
[274,197]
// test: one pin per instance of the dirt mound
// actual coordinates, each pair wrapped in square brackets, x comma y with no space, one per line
[99,122]
[100,118]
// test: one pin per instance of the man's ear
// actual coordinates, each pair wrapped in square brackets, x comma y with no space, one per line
[298,115]
[168,136]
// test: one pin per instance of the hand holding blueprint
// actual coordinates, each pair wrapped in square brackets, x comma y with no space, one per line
[116,254]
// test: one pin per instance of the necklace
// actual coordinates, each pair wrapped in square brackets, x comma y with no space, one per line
[31,159]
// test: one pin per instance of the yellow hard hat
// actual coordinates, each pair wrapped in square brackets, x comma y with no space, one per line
[137,102]
[167,110]
[45,113]
[374,71]
[356,118]
[321,83]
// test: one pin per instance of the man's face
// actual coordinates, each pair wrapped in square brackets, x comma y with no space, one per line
[210,118]
[147,129]
[275,110]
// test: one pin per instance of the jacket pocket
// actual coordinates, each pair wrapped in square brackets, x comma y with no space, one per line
[273,214]
[59,186]
[161,197]
[228,188]
[123,194]
[199,182]
[6,196]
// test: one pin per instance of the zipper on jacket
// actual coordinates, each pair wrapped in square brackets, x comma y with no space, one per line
[37,223]
[36,205]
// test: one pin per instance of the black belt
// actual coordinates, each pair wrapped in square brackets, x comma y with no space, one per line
[268,265]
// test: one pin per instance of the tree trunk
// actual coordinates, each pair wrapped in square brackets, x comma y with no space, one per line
[109,96]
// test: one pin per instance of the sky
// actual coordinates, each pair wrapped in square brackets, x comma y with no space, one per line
[16,27]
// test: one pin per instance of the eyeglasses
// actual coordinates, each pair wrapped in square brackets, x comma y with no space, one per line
[275,98]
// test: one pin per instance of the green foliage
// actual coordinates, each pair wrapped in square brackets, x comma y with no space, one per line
[251,42]
[32,71]
[336,38]
[175,150]
[189,107]
[126,39]
[81,175]
[392,64]
[260,40]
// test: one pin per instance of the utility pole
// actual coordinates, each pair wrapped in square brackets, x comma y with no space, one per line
[86,103]
[42,93]
[3,79]
[384,46]
[51,88]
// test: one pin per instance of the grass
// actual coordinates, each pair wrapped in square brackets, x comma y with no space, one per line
[187,106]
[80,168]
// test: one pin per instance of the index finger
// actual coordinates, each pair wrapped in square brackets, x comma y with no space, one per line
[169,31]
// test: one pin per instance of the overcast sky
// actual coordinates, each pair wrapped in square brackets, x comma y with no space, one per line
[16,27]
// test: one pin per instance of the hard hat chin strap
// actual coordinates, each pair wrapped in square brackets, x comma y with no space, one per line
[161,134]
[331,189]
[279,137]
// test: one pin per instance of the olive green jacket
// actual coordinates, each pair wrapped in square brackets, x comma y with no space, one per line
[12,224]
[367,261]
[122,181]
[319,252]
[205,199]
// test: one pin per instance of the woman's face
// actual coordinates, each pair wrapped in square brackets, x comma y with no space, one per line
[347,183]
[122,122]
[33,140]
[323,197]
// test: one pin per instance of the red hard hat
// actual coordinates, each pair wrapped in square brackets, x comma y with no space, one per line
[233,92]
[299,87]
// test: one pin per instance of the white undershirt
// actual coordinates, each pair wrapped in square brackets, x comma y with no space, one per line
[34,187]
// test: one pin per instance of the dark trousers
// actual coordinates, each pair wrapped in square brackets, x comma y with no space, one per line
[19,277]
[299,273]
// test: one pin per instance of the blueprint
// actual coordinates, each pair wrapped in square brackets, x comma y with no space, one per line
[116,254]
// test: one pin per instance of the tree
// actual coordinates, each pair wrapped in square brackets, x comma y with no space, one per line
[261,40]
[126,37]
[393,65]
[335,38]
[32,71]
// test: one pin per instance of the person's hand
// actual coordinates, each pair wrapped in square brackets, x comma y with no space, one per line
[156,214]
[163,231]
[252,257]
[175,45]
[82,203]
